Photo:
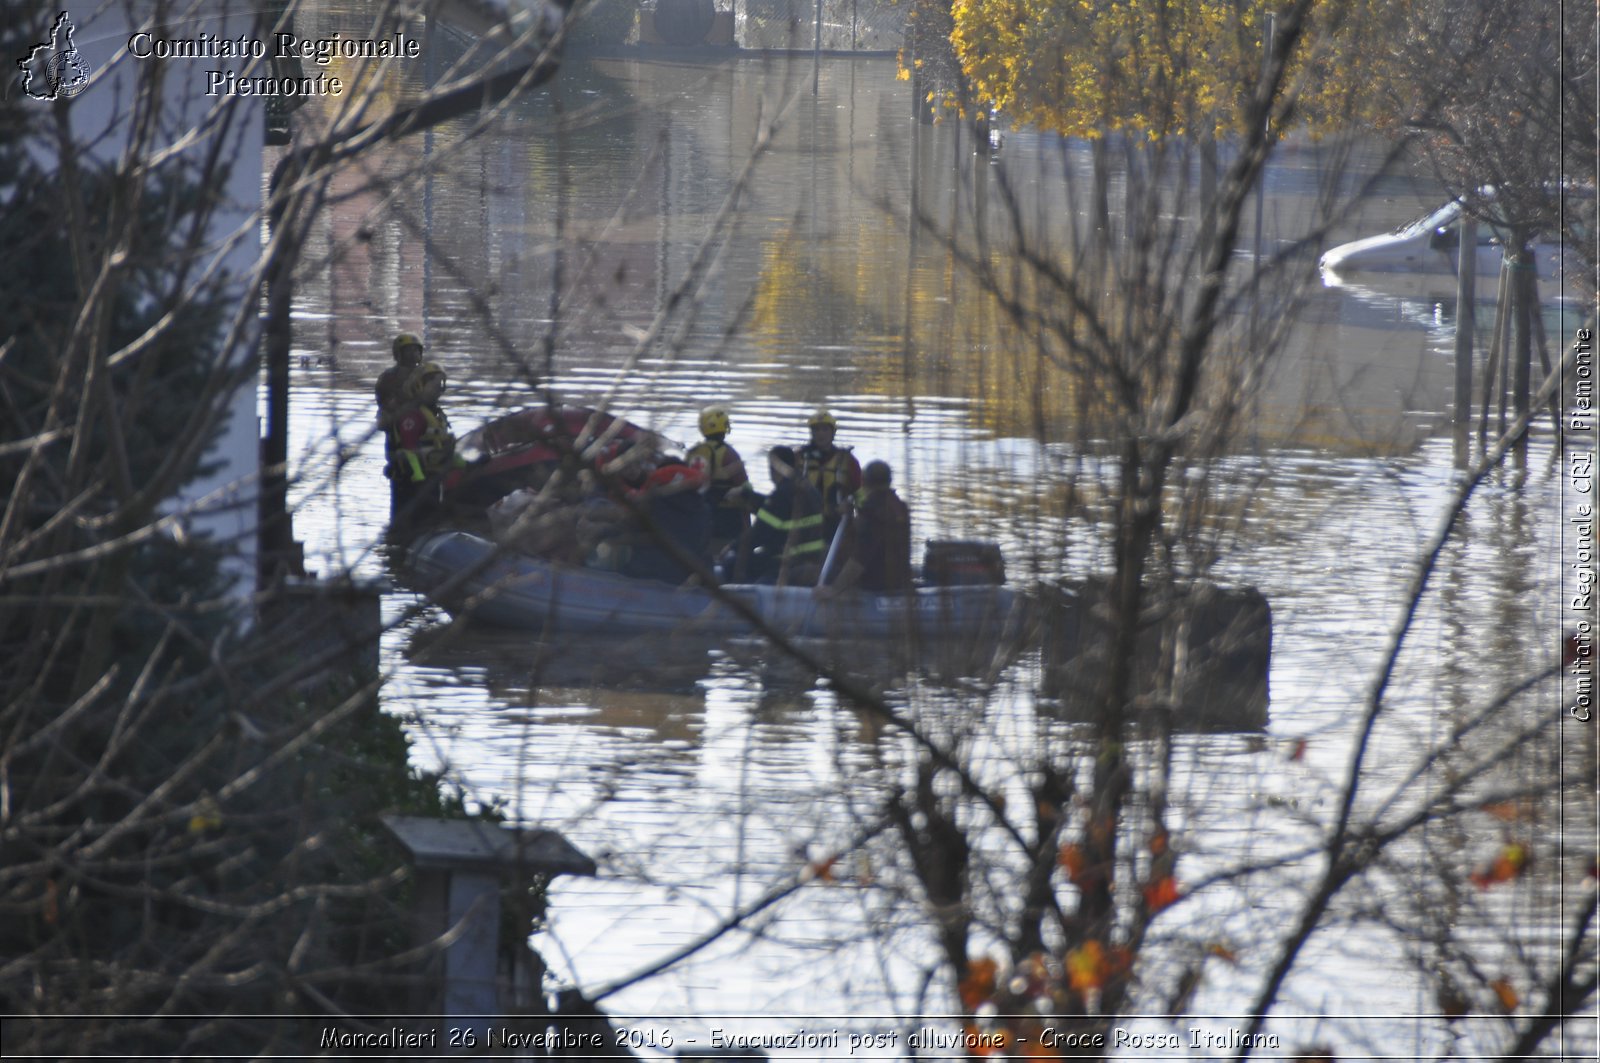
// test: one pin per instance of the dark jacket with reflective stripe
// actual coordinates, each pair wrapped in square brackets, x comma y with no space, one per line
[788,528]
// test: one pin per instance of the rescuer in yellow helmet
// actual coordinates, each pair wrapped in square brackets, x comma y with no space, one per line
[832,470]
[391,387]
[729,486]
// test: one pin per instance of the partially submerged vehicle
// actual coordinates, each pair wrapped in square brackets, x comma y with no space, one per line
[1431,244]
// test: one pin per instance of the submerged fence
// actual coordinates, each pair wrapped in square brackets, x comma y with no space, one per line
[864,26]
[833,25]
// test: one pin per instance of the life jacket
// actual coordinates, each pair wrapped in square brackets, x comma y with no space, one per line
[390,391]
[421,444]
[720,469]
[836,476]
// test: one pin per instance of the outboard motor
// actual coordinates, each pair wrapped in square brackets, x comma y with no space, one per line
[962,562]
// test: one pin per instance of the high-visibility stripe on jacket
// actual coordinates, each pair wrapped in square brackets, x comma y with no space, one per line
[807,543]
[790,525]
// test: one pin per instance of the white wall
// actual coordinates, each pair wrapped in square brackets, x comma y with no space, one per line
[221,505]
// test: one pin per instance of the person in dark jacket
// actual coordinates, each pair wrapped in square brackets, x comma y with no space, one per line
[880,547]
[675,516]
[787,544]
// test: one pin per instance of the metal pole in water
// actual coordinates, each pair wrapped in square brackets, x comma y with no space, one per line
[1261,182]
[1496,345]
[1466,325]
[816,51]
[1522,331]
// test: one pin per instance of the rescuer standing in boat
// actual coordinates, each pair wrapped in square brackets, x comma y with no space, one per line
[391,387]
[832,470]
[880,541]
[787,544]
[420,440]
[728,491]
[391,393]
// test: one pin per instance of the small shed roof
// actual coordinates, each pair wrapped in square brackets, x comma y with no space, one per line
[472,845]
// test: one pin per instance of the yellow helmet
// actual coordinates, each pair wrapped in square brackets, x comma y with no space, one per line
[404,340]
[420,377]
[822,418]
[714,421]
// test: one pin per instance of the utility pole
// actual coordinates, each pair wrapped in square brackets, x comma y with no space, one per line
[1466,326]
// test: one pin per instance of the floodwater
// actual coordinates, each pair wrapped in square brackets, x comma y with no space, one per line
[705,778]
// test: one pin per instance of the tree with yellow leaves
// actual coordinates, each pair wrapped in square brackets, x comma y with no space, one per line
[1161,68]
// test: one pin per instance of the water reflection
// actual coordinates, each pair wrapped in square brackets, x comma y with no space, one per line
[704,775]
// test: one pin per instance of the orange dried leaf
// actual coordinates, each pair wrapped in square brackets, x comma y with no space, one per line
[1162,893]
[1508,863]
[1506,811]
[1086,966]
[1071,858]
[822,870]
[977,988]
[1222,952]
[1034,974]
[1158,843]
[1506,993]
[1297,752]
